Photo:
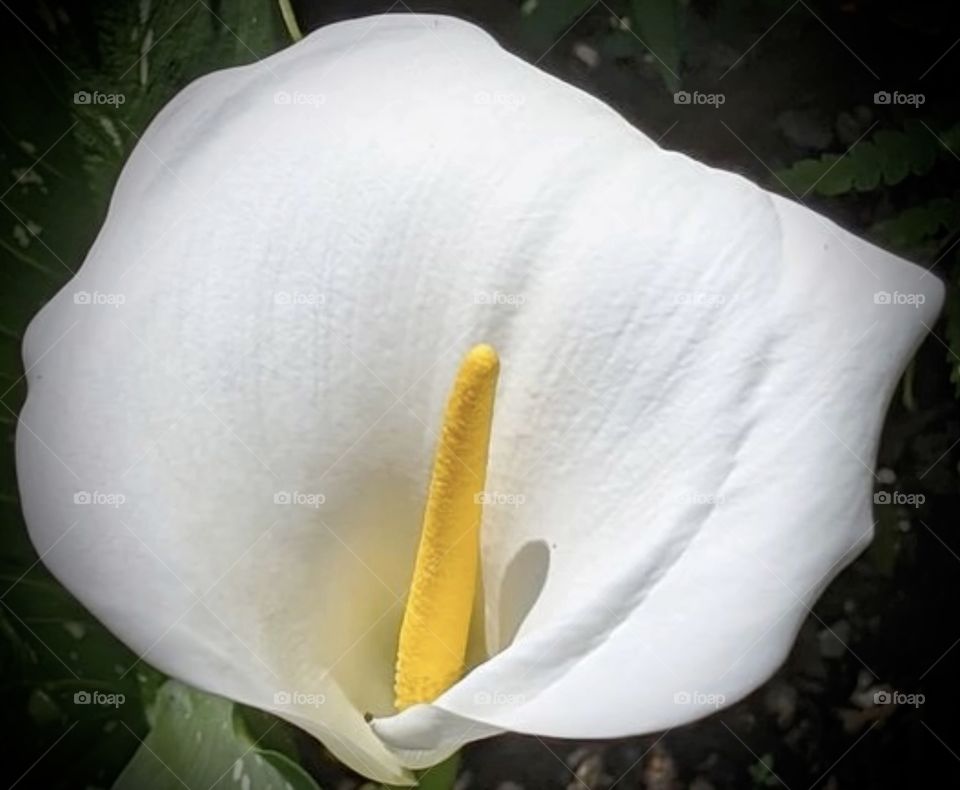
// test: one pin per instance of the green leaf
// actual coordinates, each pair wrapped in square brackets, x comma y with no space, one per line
[659,23]
[761,772]
[911,229]
[922,146]
[895,154]
[839,175]
[144,54]
[620,43]
[442,776]
[547,20]
[196,742]
[889,156]
[266,730]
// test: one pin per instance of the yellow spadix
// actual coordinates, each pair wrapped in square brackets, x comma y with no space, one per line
[436,622]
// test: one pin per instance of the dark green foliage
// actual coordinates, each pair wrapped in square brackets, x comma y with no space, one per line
[888,157]
[914,227]
[659,23]
[641,28]
[60,159]
[201,740]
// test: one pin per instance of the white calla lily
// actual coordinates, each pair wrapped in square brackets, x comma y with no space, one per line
[233,408]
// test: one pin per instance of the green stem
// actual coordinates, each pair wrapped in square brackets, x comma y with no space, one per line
[290,20]
[441,776]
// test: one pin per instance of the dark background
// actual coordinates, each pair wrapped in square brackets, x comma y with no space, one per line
[799,116]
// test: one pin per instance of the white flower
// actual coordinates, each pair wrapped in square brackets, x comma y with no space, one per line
[694,376]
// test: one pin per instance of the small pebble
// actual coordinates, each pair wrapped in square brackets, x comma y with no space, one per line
[781,701]
[659,770]
[588,772]
[586,55]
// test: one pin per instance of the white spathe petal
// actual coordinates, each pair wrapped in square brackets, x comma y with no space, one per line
[690,594]
[694,377]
